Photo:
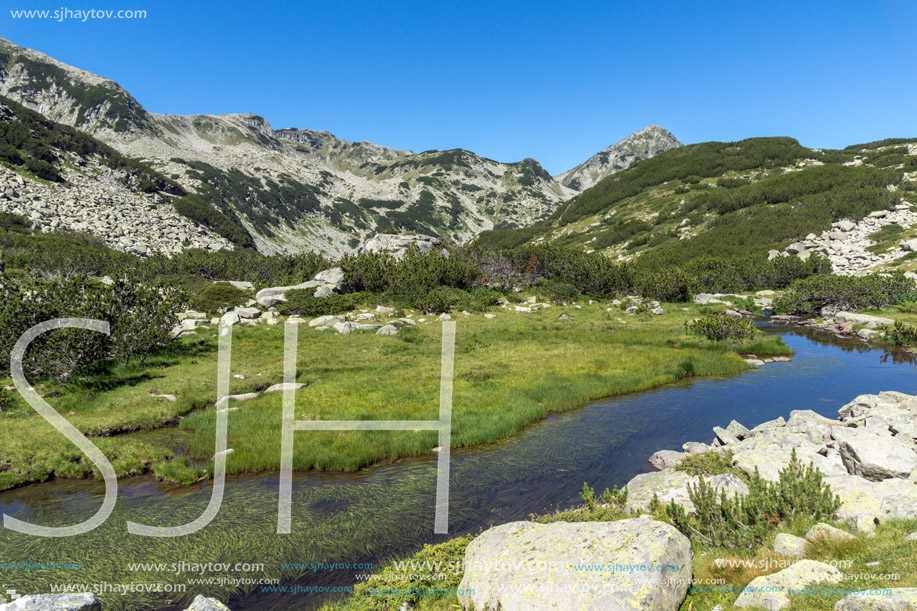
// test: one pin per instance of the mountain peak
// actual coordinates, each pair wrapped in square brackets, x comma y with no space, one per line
[643,144]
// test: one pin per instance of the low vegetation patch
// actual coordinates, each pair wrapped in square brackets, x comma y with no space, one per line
[719,326]
[810,295]
[710,463]
[745,521]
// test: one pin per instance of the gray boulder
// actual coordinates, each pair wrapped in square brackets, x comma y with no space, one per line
[873,455]
[388,330]
[786,544]
[665,459]
[277,294]
[772,592]
[672,485]
[523,566]
[887,599]
[83,601]
[324,322]
[201,603]
[247,313]
[823,531]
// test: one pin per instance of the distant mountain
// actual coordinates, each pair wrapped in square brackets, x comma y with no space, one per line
[299,189]
[756,197]
[643,144]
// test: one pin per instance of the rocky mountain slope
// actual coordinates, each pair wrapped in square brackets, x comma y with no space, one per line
[298,189]
[768,196]
[619,156]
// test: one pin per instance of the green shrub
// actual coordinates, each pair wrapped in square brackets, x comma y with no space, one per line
[140,317]
[673,285]
[558,290]
[301,301]
[744,522]
[219,296]
[902,334]
[810,295]
[718,326]
[710,463]
[443,299]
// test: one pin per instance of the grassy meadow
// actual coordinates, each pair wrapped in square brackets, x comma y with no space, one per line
[509,371]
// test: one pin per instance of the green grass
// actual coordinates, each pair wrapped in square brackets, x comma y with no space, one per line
[509,372]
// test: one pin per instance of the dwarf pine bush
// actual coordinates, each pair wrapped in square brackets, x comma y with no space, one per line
[745,521]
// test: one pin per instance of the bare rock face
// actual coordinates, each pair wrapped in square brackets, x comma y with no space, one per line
[523,566]
[397,245]
[646,143]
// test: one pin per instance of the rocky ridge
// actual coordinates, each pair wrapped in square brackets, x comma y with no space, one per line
[295,189]
[643,144]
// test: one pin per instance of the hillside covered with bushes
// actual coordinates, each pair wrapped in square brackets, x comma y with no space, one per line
[726,199]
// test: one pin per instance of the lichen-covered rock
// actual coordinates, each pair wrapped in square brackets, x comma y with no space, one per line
[890,599]
[672,485]
[772,592]
[786,544]
[83,601]
[666,459]
[201,603]
[873,455]
[823,531]
[523,566]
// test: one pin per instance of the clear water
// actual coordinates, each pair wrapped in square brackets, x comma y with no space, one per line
[387,512]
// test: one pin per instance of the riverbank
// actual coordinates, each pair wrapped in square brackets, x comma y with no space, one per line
[511,369]
[868,458]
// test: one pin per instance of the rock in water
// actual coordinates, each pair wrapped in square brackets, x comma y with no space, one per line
[83,601]
[523,566]
[772,592]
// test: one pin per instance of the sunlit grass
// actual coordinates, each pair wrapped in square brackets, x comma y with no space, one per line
[509,372]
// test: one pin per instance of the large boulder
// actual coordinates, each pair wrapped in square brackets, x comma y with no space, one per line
[397,245]
[772,592]
[865,503]
[886,599]
[786,544]
[325,283]
[672,485]
[873,455]
[666,459]
[278,294]
[523,566]
[83,601]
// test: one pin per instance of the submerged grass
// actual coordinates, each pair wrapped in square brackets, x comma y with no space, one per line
[509,372]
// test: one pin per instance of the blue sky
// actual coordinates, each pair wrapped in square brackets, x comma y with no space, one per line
[508,80]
